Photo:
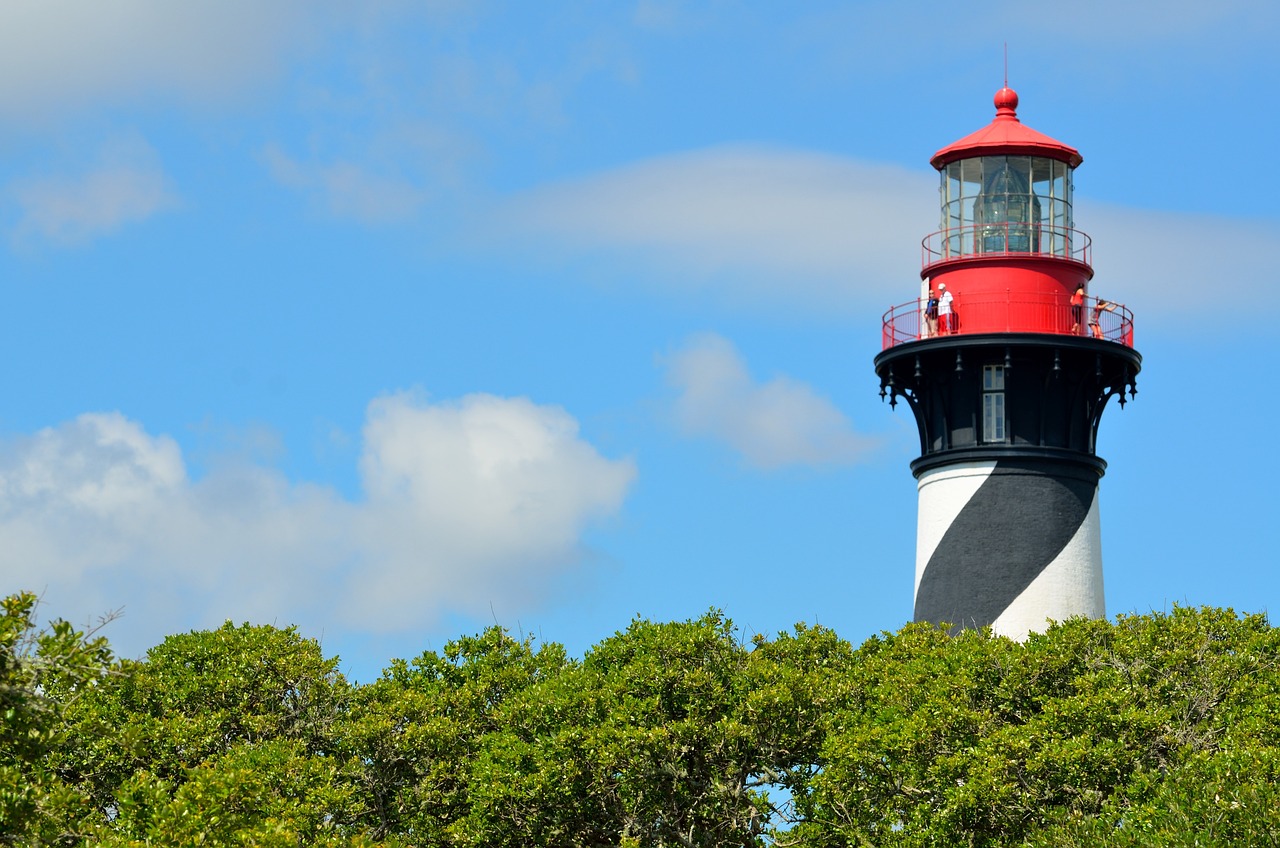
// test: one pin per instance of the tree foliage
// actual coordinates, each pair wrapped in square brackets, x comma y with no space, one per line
[415,735]
[1149,730]
[1086,732]
[43,673]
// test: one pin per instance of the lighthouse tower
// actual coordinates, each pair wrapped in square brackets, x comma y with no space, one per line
[1007,384]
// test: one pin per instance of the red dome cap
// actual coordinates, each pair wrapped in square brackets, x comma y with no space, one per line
[1006,135]
[1006,100]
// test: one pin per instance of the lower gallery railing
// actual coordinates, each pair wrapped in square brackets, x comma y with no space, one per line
[1010,313]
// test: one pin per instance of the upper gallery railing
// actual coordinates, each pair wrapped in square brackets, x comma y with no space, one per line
[1006,239]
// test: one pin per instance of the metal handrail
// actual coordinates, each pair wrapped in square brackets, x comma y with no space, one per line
[1052,315]
[1006,239]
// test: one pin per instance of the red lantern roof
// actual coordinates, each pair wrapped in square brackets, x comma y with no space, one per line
[1006,135]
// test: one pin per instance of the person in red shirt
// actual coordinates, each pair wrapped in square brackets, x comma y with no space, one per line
[1077,309]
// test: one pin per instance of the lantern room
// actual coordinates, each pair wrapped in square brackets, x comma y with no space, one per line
[1006,189]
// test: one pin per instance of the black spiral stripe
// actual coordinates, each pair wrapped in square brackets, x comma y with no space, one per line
[1017,522]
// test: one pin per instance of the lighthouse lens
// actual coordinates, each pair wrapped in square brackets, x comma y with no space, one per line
[1006,211]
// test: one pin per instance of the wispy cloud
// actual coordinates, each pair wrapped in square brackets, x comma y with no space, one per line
[773,424]
[434,94]
[59,54]
[126,185]
[345,189]
[884,39]
[469,506]
[1206,29]
[821,228]
[1178,267]
[819,232]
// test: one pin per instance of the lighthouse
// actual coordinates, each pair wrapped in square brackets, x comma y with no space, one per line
[1007,360]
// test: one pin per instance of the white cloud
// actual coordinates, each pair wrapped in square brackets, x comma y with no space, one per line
[475,500]
[469,505]
[125,186]
[772,424]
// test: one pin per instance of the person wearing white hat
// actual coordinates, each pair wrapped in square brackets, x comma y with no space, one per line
[945,323]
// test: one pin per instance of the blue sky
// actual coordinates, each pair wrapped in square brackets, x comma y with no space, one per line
[392,320]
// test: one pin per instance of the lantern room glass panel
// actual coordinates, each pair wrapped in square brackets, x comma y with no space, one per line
[1006,204]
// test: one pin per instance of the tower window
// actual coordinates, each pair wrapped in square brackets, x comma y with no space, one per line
[993,425]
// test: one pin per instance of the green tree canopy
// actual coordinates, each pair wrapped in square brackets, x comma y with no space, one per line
[181,726]
[1158,729]
[1084,733]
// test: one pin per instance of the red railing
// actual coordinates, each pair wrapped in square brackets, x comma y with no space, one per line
[1010,313]
[1008,239]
